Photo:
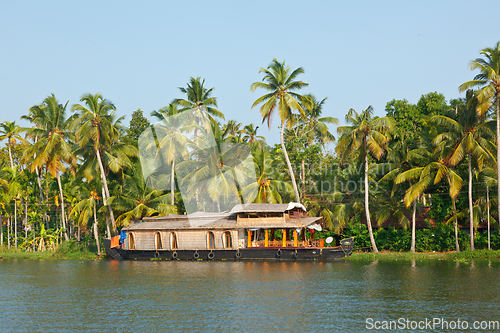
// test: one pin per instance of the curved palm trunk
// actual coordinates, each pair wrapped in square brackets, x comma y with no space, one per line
[105,183]
[172,184]
[10,155]
[15,222]
[62,206]
[498,149]
[413,227]
[303,181]
[457,246]
[367,208]
[471,213]
[488,213]
[290,170]
[96,232]
[108,230]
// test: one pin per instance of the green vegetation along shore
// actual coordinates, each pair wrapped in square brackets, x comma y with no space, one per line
[69,250]
[76,175]
[395,256]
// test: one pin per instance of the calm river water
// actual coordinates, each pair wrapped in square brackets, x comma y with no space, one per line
[181,296]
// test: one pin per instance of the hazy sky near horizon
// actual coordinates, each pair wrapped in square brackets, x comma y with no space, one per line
[137,54]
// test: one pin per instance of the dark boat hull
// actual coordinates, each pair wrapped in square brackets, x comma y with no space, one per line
[268,253]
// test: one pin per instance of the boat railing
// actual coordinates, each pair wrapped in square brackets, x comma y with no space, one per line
[289,243]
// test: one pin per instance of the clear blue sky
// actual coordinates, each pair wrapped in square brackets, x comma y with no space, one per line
[357,53]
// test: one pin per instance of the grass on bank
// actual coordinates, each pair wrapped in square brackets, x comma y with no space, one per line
[454,256]
[66,250]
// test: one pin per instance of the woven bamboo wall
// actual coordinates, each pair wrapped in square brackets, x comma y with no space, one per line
[186,239]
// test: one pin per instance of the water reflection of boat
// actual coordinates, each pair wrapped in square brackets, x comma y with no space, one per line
[246,232]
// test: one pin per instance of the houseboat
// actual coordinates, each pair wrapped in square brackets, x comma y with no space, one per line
[246,232]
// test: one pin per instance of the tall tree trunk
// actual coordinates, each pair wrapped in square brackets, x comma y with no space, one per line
[8,232]
[25,216]
[290,170]
[367,208]
[105,182]
[457,246]
[413,227]
[10,155]
[172,184]
[498,148]
[1,230]
[96,232]
[107,220]
[488,213]
[303,181]
[15,223]
[58,176]
[471,212]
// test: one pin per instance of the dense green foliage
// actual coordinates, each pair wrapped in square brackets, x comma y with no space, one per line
[77,176]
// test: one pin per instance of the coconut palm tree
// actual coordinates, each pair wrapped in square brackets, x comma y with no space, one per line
[366,135]
[136,200]
[436,169]
[169,139]
[280,82]
[86,209]
[10,131]
[232,131]
[313,125]
[488,80]
[216,171]
[467,133]
[403,155]
[250,134]
[265,189]
[198,96]
[95,125]
[53,148]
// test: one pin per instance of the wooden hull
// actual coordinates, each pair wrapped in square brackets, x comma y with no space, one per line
[269,253]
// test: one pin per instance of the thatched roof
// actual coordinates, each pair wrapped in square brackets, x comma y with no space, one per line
[225,220]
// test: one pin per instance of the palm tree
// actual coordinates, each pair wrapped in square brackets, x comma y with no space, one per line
[198,96]
[95,125]
[217,170]
[313,125]
[232,131]
[436,170]
[467,135]
[85,209]
[366,135]
[489,81]
[403,156]
[10,131]
[13,179]
[136,200]
[279,81]
[250,134]
[169,139]
[53,146]
[265,189]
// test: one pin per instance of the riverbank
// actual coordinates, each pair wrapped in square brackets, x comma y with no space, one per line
[66,250]
[454,256]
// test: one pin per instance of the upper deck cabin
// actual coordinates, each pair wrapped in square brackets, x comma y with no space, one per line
[245,226]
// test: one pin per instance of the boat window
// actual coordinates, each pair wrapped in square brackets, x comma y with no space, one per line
[158,241]
[211,240]
[173,239]
[131,242]
[228,243]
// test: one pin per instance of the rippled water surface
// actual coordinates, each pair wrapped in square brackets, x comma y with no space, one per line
[135,296]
